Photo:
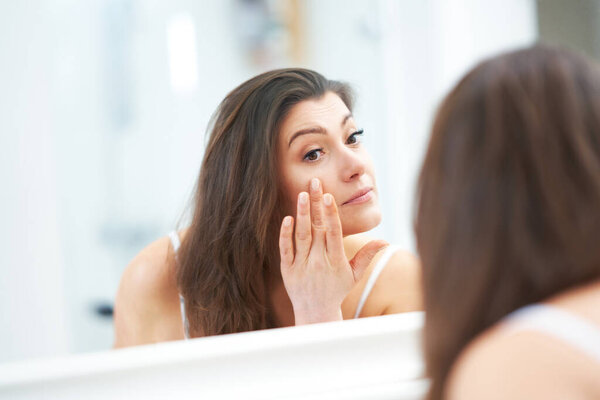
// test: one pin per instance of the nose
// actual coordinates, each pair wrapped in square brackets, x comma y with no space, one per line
[353,165]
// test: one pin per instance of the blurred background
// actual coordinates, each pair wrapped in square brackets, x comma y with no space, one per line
[104,106]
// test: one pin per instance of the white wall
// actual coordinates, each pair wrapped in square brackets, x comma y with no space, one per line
[426,47]
[32,300]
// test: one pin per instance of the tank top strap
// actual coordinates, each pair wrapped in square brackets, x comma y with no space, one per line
[561,324]
[186,326]
[176,243]
[385,257]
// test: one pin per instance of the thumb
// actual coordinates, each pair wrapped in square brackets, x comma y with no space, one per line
[364,256]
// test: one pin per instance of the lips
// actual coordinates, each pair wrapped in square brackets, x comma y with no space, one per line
[361,196]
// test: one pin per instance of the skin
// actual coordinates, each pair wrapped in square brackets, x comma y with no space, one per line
[530,364]
[319,147]
[330,150]
[325,271]
[316,273]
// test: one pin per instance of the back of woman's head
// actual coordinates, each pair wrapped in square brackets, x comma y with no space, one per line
[230,249]
[509,195]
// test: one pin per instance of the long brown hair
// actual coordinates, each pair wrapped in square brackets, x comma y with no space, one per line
[508,209]
[230,250]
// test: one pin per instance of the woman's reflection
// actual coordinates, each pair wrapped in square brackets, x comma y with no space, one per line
[282,144]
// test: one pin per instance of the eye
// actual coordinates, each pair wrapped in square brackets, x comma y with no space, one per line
[355,137]
[313,155]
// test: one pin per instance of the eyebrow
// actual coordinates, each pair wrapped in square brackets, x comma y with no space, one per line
[316,129]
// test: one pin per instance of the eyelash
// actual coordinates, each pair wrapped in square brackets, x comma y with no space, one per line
[355,135]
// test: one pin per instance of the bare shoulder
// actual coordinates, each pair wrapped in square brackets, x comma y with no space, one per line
[147,297]
[152,267]
[402,277]
[398,287]
[519,365]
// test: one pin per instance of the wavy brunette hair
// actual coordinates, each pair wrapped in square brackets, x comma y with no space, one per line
[508,209]
[230,252]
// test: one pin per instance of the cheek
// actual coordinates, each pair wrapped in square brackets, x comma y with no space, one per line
[331,186]
[296,179]
[292,183]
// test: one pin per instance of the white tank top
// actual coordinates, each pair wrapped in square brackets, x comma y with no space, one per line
[383,260]
[561,324]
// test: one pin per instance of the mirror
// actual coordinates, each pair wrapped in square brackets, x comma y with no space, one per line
[105,105]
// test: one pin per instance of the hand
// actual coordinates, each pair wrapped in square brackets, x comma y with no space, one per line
[317,275]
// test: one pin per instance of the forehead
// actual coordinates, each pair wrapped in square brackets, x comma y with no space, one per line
[326,110]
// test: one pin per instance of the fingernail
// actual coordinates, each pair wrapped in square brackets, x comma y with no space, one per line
[327,199]
[314,184]
[287,221]
[303,198]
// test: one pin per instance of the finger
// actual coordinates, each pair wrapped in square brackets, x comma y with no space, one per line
[316,205]
[364,256]
[286,245]
[333,229]
[303,227]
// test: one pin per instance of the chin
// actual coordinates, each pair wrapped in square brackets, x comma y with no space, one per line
[361,223]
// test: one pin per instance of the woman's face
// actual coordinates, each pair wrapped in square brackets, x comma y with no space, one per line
[319,139]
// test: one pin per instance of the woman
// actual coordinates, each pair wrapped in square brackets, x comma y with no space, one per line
[274,139]
[507,228]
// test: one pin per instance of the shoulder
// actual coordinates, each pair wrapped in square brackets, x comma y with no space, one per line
[151,272]
[400,282]
[398,287]
[402,271]
[147,293]
[518,365]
